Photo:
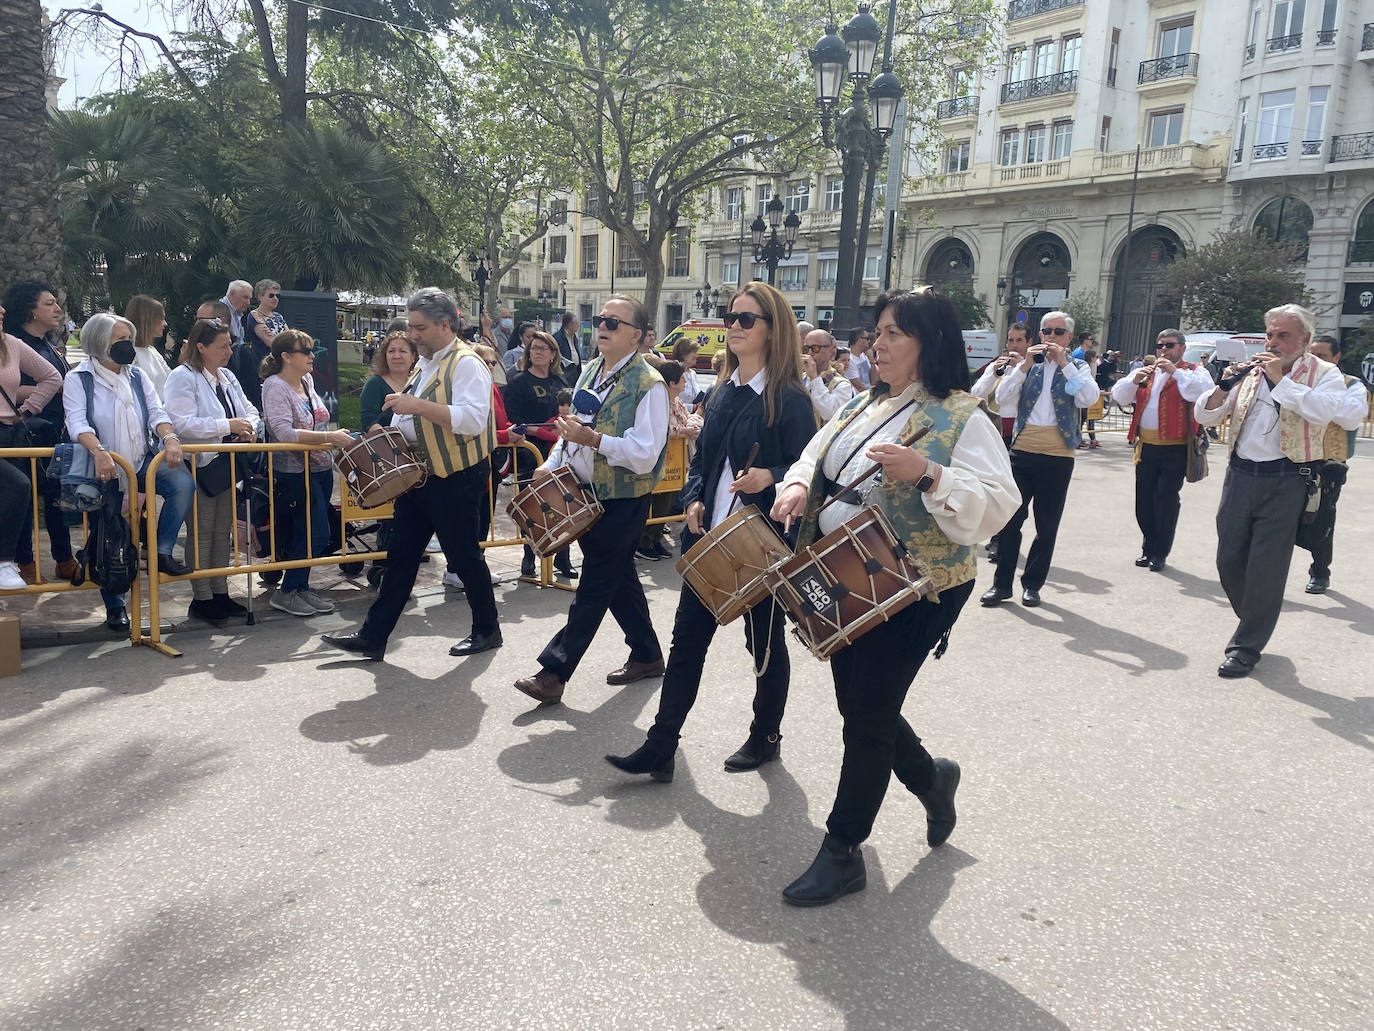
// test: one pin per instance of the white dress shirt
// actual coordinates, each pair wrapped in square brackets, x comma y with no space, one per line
[1192,384]
[987,383]
[195,411]
[1355,408]
[724,500]
[829,400]
[1078,381]
[470,392]
[103,407]
[638,450]
[154,367]
[1259,436]
[974,498]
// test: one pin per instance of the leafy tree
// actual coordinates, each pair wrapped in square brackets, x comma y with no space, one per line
[1229,283]
[1085,307]
[972,309]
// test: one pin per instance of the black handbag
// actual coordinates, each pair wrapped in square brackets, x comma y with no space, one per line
[29,431]
[213,478]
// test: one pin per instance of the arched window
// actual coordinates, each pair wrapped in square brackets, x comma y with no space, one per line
[950,262]
[1285,220]
[1362,247]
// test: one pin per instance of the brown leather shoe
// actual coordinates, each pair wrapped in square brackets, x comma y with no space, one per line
[29,571]
[66,569]
[632,671]
[543,687]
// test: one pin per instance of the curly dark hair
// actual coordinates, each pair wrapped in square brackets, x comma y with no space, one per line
[931,319]
[20,301]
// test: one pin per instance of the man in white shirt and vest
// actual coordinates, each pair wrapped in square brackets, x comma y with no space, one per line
[616,441]
[1337,447]
[445,413]
[1161,426]
[1279,404]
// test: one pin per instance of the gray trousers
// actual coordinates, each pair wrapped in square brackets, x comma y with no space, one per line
[212,518]
[1257,526]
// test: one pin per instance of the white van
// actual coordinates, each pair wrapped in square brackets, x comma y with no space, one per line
[980,346]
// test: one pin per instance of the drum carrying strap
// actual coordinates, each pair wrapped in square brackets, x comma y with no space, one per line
[852,497]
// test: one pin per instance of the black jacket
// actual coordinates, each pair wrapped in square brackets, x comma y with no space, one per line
[52,411]
[735,421]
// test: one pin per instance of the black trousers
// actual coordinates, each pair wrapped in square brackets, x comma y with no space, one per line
[1257,524]
[609,583]
[1325,532]
[1158,480]
[693,629]
[1044,480]
[447,506]
[872,677]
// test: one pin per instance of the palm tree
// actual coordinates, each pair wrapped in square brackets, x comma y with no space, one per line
[30,224]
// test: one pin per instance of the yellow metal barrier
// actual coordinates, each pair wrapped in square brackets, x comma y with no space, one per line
[34,455]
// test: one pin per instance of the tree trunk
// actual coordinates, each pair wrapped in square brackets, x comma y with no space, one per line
[30,223]
[293,96]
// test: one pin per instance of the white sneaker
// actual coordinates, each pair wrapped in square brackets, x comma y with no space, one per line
[316,601]
[10,580]
[495,579]
[452,580]
[434,547]
[292,602]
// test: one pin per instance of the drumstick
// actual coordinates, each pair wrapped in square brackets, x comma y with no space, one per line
[875,467]
[748,464]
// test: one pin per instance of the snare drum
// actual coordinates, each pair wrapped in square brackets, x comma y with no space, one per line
[379,467]
[726,567]
[848,582]
[555,511]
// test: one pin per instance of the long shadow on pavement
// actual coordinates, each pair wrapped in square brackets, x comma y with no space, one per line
[1360,617]
[1350,719]
[1106,644]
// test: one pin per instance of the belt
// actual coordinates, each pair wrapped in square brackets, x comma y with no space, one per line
[1277,467]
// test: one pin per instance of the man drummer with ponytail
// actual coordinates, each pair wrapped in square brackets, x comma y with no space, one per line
[616,440]
[941,497]
[445,414]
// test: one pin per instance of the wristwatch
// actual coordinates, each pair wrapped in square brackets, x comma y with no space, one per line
[925,483]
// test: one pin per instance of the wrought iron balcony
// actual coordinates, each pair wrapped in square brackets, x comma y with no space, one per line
[967,28]
[825,283]
[1326,37]
[1250,52]
[1269,151]
[1026,8]
[1277,44]
[1044,86]
[1353,147]
[1367,39]
[1359,251]
[1240,153]
[1176,66]
[958,107]
[1311,147]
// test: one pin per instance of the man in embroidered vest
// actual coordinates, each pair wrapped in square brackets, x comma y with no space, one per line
[1161,425]
[1337,448]
[445,413]
[616,440]
[1046,396]
[1279,404]
[829,390]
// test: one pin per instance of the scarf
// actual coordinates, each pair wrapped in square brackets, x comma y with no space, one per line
[129,436]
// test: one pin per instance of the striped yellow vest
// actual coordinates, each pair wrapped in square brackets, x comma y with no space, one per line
[441,450]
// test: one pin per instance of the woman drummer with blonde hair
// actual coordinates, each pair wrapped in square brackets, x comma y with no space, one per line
[759,402]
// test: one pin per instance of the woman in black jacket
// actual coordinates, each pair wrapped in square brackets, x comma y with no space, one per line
[760,401]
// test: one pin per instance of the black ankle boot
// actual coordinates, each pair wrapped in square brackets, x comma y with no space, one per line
[646,759]
[759,749]
[939,802]
[838,869]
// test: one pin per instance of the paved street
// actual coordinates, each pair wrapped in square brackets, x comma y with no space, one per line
[262,836]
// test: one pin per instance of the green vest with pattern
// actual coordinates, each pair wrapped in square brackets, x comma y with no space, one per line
[948,564]
[615,418]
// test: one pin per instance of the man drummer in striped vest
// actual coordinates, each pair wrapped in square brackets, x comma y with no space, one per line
[445,414]
[1161,425]
[1279,405]
[616,440]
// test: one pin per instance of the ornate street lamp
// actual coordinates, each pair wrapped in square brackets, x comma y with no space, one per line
[859,132]
[769,248]
[707,299]
[480,277]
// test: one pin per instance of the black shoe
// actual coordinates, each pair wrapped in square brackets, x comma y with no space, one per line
[754,753]
[838,869]
[1157,564]
[1143,561]
[207,611]
[475,642]
[1318,585]
[994,596]
[169,566]
[269,577]
[566,571]
[648,551]
[527,567]
[646,759]
[660,550]
[229,608]
[634,671]
[356,644]
[939,802]
[374,574]
[1030,597]
[117,620]
[1235,666]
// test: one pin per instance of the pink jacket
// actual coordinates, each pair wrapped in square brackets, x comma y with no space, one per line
[24,359]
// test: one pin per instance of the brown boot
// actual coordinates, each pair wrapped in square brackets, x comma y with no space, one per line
[66,569]
[29,571]
[543,687]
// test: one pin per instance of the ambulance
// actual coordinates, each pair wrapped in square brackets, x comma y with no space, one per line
[709,333]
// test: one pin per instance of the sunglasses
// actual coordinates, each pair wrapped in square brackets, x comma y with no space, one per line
[611,322]
[746,319]
[1164,345]
[813,348]
[490,364]
[271,295]
[1055,331]
[302,350]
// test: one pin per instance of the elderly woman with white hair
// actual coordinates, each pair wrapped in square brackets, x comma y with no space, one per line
[112,407]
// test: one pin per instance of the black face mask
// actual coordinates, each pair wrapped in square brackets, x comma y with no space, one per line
[122,352]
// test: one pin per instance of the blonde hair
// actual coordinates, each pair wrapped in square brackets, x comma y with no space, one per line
[144,312]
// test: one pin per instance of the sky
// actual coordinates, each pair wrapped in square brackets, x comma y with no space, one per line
[88,72]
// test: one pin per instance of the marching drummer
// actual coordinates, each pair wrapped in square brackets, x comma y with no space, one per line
[757,423]
[445,414]
[616,441]
[941,497]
